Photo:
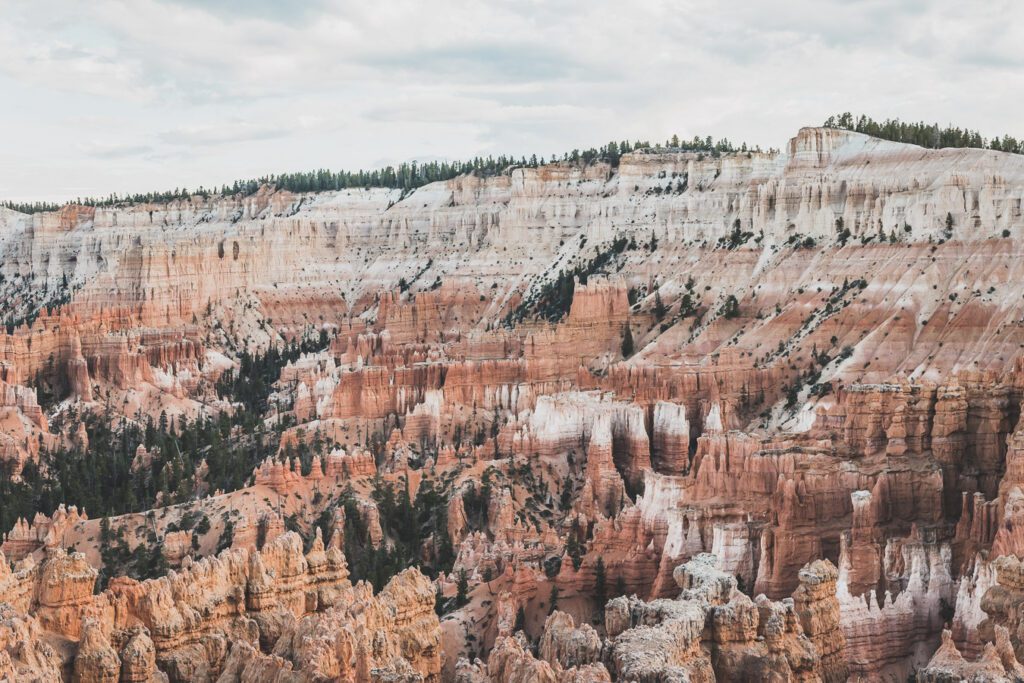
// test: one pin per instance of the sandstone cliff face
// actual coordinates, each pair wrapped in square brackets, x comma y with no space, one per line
[166,267]
[845,441]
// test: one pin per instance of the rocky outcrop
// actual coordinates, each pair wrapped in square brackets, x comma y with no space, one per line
[825,373]
[605,487]
[64,588]
[457,523]
[333,644]
[271,600]
[819,613]
[25,538]
[997,663]
[25,654]
[911,619]
[747,640]
[138,658]
[96,661]
[563,645]
[670,445]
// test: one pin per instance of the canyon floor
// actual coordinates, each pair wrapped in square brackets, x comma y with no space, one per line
[688,417]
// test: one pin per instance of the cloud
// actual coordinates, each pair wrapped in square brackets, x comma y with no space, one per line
[114,150]
[220,89]
[482,62]
[222,133]
[269,10]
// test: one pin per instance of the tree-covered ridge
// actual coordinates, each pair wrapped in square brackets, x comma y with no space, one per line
[411,175]
[923,134]
[405,176]
[100,478]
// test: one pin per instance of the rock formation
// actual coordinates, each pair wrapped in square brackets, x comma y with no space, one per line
[821,391]
[186,625]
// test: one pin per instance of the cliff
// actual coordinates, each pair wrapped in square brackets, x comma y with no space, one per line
[589,380]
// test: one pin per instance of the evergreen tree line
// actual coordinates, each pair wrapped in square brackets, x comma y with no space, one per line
[553,300]
[251,385]
[405,176]
[33,300]
[99,478]
[145,561]
[923,134]
[415,532]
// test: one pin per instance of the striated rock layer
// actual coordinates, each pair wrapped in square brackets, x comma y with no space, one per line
[688,417]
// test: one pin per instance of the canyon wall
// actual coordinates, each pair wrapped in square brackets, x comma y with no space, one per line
[786,384]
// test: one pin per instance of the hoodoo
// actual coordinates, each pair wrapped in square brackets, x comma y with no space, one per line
[680,414]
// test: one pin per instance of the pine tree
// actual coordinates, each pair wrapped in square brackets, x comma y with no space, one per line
[158,564]
[627,342]
[439,602]
[565,500]
[686,306]
[462,589]
[573,548]
[731,308]
[659,306]
[553,598]
[227,536]
[600,589]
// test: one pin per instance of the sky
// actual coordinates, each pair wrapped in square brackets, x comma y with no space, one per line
[138,95]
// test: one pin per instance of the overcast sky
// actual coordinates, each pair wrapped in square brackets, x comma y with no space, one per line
[122,96]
